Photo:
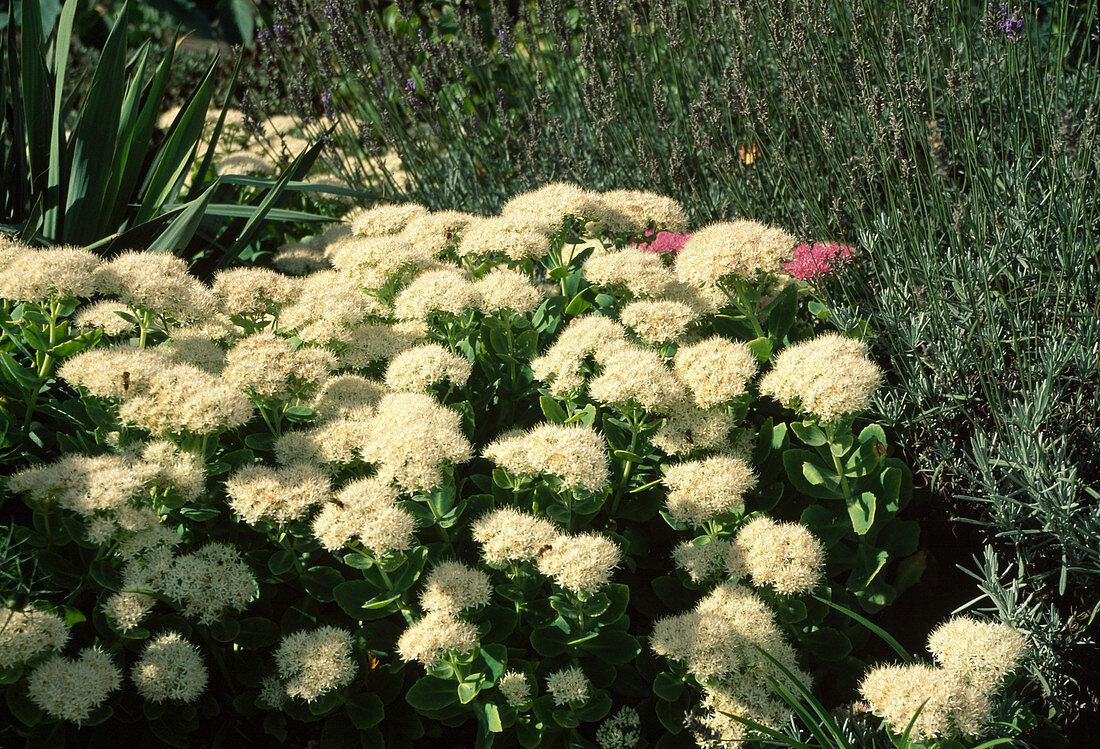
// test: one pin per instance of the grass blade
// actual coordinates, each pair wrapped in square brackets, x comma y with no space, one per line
[36,92]
[183,227]
[178,152]
[298,169]
[882,633]
[208,157]
[94,139]
[57,170]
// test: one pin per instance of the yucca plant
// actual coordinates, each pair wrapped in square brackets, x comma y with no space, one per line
[98,172]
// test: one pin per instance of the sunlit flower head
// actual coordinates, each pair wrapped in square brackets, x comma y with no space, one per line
[740,249]
[517,237]
[783,555]
[503,289]
[635,211]
[575,454]
[638,376]
[70,689]
[553,203]
[444,290]
[411,437]
[281,494]
[105,316]
[453,587]
[170,668]
[312,663]
[950,706]
[581,563]
[344,394]
[156,281]
[658,321]
[37,275]
[439,632]
[507,535]
[982,653]
[254,291]
[384,219]
[416,369]
[702,489]
[716,370]
[829,376]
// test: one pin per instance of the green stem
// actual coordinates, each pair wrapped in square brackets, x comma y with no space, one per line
[628,466]
[744,309]
[829,431]
[146,321]
[45,368]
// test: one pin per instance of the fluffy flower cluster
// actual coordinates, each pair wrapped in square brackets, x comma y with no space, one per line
[580,563]
[279,494]
[659,321]
[266,366]
[515,237]
[815,260]
[411,437]
[385,219]
[717,642]
[209,581]
[515,687]
[25,634]
[508,535]
[785,556]
[568,686]
[632,377]
[312,663]
[715,370]
[431,637]
[980,652]
[663,241]
[170,668]
[702,489]
[574,454]
[974,657]
[742,249]
[416,369]
[367,510]
[327,307]
[84,484]
[828,377]
[452,587]
[255,292]
[156,282]
[561,367]
[950,705]
[39,275]
[71,689]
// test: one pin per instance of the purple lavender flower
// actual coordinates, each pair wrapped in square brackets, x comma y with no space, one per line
[279,29]
[326,103]
[1012,23]
[410,85]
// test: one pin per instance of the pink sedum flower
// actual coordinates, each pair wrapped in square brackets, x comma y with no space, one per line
[816,260]
[663,241]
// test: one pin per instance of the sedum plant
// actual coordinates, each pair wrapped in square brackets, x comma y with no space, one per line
[535,479]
